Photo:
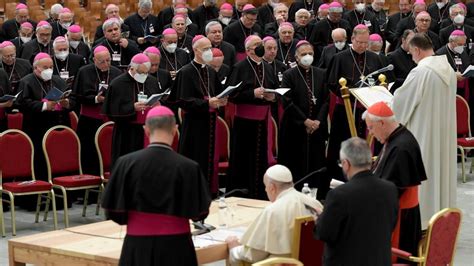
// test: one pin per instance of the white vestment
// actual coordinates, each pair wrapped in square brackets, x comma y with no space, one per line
[426,105]
[271,233]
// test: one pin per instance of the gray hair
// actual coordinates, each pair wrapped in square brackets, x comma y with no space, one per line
[136,65]
[165,123]
[145,4]
[357,152]
[46,26]
[56,42]
[110,22]
[451,8]
[302,10]
[109,6]
[56,8]
[336,30]
[211,24]
[279,6]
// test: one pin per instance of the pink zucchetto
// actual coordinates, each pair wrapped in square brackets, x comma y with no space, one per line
[268,38]
[360,27]
[375,38]
[324,7]
[286,24]
[74,29]
[169,31]
[65,10]
[248,7]
[226,6]
[152,50]
[100,49]
[179,6]
[60,39]
[216,52]
[463,6]
[42,24]
[159,111]
[423,13]
[21,6]
[419,2]
[6,44]
[249,38]
[335,7]
[197,38]
[26,25]
[301,43]
[179,16]
[41,56]
[459,33]
[140,59]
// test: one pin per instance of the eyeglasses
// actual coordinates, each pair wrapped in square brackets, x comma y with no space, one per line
[425,20]
[251,19]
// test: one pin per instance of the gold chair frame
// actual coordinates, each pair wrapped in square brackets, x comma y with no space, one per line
[101,160]
[299,221]
[463,149]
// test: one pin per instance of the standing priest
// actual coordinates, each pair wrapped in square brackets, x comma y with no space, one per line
[89,88]
[155,192]
[196,87]
[251,147]
[125,104]
[304,129]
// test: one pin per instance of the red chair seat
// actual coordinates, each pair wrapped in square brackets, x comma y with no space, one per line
[77,180]
[466,142]
[223,166]
[22,187]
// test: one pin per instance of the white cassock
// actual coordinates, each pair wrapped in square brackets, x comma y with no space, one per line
[272,232]
[426,105]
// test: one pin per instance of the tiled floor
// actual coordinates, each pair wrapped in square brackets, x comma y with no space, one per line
[26,226]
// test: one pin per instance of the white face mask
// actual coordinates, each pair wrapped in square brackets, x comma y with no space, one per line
[66,25]
[62,55]
[225,21]
[47,74]
[171,48]
[459,19]
[440,4]
[74,44]
[360,7]
[458,49]
[306,60]
[188,21]
[340,45]
[140,78]
[25,39]
[207,56]
[377,53]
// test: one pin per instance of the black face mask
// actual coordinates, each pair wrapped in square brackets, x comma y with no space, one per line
[259,51]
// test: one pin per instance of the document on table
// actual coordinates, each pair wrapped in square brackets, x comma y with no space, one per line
[217,236]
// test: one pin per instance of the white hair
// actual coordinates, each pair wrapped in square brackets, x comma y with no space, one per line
[56,42]
[301,11]
[109,6]
[46,26]
[377,118]
[136,65]
[451,8]
[110,22]
[279,6]
[453,38]
[211,24]
[145,4]
[56,8]
[247,44]
[336,30]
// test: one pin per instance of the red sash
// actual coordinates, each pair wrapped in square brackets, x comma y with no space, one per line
[152,224]
[93,111]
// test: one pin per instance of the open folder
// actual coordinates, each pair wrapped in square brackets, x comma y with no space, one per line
[370,95]
[7,97]
[228,91]
[153,99]
[56,94]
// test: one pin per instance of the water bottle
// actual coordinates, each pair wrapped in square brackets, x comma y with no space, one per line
[306,190]
[222,213]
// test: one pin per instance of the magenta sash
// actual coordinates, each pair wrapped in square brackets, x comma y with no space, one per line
[57,107]
[258,113]
[153,224]
[240,56]
[93,111]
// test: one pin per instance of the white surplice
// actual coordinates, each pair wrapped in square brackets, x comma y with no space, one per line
[271,233]
[426,105]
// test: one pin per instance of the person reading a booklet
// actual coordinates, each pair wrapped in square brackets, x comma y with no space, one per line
[125,104]
[426,105]
[251,150]
[195,91]
[89,90]
[40,114]
[271,233]
[304,129]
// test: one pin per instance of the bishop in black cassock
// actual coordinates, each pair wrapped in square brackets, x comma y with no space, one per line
[10,27]
[304,129]
[196,88]
[16,68]
[173,58]
[4,89]
[42,43]
[251,146]
[125,104]
[89,89]
[401,61]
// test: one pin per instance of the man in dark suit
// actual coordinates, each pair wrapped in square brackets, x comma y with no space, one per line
[359,216]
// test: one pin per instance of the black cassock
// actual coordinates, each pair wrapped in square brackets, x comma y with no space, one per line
[17,71]
[400,162]
[85,89]
[18,45]
[320,35]
[265,15]
[4,89]
[35,121]
[58,30]
[308,98]
[459,63]
[367,18]
[82,50]
[201,15]
[236,33]
[311,6]
[122,94]
[120,56]
[68,68]
[229,53]
[140,27]
[250,152]
[328,54]
[186,43]
[194,85]
[350,65]
[286,52]
[155,191]
[11,27]
[173,61]
[33,47]
[402,65]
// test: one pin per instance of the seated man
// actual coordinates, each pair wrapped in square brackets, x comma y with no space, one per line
[272,232]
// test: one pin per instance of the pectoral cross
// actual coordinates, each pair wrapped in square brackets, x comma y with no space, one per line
[313,99]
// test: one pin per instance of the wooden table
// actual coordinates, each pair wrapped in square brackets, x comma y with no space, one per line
[101,243]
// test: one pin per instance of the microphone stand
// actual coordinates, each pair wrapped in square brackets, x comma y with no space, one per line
[320,170]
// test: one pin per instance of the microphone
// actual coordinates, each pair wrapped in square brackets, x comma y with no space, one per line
[206,228]
[383,69]
[321,170]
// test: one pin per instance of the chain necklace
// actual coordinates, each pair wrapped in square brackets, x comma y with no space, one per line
[256,75]
[201,79]
[357,65]
[310,90]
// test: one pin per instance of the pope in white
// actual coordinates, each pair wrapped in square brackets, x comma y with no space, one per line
[271,234]
[426,105]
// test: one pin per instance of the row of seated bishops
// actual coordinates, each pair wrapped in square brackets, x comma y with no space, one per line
[341,45]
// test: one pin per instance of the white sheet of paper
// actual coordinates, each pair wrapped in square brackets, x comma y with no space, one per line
[280,91]
[370,95]
[228,90]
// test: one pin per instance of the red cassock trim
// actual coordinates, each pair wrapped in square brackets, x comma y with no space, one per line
[409,199]
[93,111]
[153,224]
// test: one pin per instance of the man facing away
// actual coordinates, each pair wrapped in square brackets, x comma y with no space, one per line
[155,191]
[271,234]
[359,216]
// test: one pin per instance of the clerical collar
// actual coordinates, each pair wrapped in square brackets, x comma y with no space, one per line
[357,53]
[258,63]
[270,62]
[160,145]
[198,64]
